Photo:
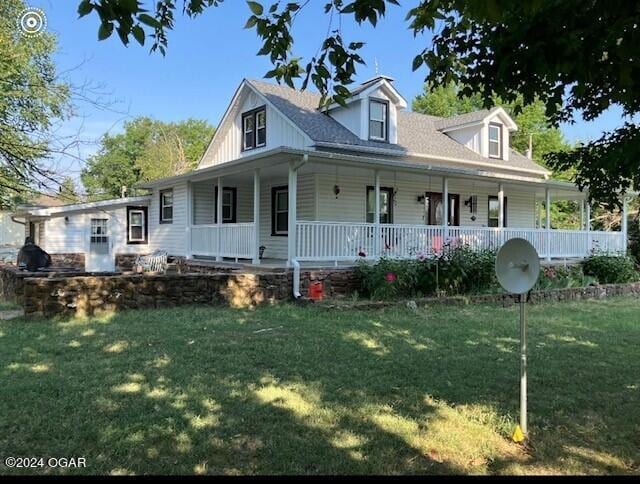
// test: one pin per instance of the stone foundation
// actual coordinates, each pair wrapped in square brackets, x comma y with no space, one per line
[337,282]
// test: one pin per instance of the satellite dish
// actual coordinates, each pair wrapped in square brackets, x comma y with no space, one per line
[517,266]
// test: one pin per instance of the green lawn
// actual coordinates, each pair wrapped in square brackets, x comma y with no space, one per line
[306,390]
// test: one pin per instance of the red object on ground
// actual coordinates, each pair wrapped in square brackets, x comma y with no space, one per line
[316,290]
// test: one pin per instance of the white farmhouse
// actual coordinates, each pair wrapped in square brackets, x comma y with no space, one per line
[284,183]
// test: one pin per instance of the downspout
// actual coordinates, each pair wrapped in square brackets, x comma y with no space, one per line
[293,168]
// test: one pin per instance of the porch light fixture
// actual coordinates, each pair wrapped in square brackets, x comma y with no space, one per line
[420,199]
[336,190]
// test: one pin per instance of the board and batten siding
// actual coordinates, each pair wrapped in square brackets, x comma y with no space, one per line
[350,205]
[227,145]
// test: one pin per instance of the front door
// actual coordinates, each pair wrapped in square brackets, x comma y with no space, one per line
[99,256]
[433,208]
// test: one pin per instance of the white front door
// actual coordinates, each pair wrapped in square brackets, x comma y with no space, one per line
[99,256]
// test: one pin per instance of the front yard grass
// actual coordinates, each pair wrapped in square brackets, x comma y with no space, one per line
[305,390]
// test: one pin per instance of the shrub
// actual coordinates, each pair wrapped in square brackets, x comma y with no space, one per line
[559,277]
[456,270]
[610,269]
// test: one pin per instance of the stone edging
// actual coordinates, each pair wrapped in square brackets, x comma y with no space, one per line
[505,300]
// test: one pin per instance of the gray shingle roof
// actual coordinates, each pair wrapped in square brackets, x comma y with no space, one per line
[418,134]
[475,116]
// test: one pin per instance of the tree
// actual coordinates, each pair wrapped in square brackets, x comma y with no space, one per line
[573,56]
[147,149]
[31,98]
[68,191]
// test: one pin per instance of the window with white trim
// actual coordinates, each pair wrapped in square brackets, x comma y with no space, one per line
[495,140]
[378,113]
[137,225]
[166,206]
[99,233]
[254,129]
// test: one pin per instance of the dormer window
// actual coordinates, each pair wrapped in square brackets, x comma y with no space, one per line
[378,115]
[495,140]
[254,129]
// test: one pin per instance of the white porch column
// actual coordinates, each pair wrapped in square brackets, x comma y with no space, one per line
[625,222]
[501,212]
[539,207]
[445,207]
[291,222]
[188,226]
[376,214]
[256,216]
[587,225]
[547,205]
[219,218]
[581,214]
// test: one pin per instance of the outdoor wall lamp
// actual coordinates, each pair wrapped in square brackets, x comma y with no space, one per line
[336,190]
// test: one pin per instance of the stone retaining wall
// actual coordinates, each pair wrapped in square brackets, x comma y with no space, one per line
[506,300]
[73,260]
[89,295]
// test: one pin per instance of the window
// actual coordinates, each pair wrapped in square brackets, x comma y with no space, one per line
[279,210]
[494,211]
[254,129]
[137,225]
[386,205]
[99,231]
[378,120]
[166,206]
[229,204]
[495,140]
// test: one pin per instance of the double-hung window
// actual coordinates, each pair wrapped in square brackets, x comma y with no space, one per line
[229,203]
[378,114]
[495,140]
[280,210]
[166,206]
[254,129]
[137,225]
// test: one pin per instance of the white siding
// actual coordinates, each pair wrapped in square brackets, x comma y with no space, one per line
[350,206]
[171,237]
[72,235]
[11,233]
[471,137]
[227,144]
[351,118]
[204,203]
[276,246]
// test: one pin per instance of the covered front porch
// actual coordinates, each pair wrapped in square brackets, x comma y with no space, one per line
[342,210]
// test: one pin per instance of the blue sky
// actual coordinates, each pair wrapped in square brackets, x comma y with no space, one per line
[208,57]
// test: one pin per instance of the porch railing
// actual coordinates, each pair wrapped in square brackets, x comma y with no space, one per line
[227,240]
[335,241]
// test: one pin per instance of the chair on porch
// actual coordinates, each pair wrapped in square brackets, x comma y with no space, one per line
[154,262]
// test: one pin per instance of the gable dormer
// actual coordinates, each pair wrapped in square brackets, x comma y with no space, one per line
[486,132]
[371,112]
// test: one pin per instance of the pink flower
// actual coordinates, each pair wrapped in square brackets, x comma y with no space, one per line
[390,277]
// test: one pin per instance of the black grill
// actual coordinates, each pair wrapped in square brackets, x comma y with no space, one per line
[32,258]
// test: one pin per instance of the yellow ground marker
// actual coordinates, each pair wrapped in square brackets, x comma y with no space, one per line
[518,436]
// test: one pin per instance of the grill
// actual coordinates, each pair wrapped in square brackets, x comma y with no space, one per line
[32,258]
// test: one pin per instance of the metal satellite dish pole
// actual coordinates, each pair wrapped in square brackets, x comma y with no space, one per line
[517,269]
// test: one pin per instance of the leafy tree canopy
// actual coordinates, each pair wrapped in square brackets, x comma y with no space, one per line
[31,98]
[573,56]
[147,149]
